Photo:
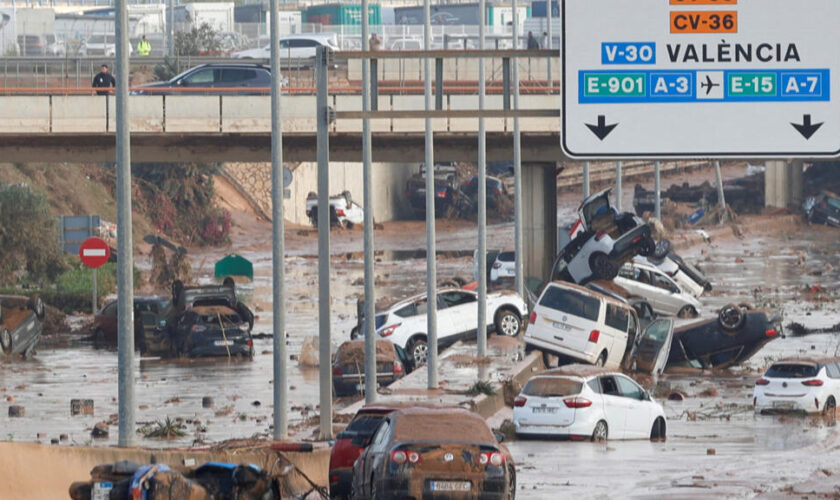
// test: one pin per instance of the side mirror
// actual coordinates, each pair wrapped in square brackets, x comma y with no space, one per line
[499,437]
[181,82]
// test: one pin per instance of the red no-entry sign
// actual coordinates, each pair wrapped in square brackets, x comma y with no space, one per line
[94,252]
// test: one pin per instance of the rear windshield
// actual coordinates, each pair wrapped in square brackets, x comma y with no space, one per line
[792,370]
[552,387]
[507,257]
[571,302]
[364,425]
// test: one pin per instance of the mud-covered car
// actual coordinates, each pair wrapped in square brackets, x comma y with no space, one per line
[434,453]
[212,331]
[392,364]
[150,314]
[20,324]
[734,336]
[187,297]
[601,241]
[823,208]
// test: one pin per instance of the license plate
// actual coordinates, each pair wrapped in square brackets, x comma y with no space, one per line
[561,326]
[545,410]
[785,405]
[101,491]
[223,342]
[360,387]
[450,486]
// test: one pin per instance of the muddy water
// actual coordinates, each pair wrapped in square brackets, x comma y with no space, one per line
[242,390]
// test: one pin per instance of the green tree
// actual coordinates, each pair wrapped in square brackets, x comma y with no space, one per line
[197,41]
[28,236]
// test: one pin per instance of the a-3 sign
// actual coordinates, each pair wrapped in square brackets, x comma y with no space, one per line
[701,78]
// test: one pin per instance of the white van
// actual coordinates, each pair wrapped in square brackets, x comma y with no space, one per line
[574,322]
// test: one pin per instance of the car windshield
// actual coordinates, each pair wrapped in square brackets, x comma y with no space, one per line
[548,387]
[364,424]
[792,370]
[658,331]
[598,206]
[506,257]
[571,302]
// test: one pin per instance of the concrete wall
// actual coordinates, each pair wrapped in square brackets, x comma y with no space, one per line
[783,184]
[539,218]
[388,178]
[535,68]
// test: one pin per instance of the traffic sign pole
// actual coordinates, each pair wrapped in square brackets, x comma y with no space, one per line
[94,297]
[660,79]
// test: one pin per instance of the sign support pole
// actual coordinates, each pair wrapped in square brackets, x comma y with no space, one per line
[482,192]
[367,185]
[656,188]
[94,297]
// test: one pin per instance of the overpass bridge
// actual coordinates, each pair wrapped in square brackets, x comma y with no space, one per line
[205,128]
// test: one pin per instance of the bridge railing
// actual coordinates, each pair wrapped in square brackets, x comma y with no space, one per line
[45,114]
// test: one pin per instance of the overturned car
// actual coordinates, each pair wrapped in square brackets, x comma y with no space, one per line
[20,324]
[602,240]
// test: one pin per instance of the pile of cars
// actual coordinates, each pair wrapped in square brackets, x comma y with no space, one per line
[199,321]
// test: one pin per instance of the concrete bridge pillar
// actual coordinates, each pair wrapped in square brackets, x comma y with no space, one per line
[539,218]
[783,183]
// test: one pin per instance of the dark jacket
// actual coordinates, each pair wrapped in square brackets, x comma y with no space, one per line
[103,80]
[532,43]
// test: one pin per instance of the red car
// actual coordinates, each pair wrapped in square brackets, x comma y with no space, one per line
[149,313]
[349,444]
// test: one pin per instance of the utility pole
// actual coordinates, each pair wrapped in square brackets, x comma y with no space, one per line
[125,246]
[323,153]
[431,246]
[517,167]
[367,186]
[278,226]
[482,192]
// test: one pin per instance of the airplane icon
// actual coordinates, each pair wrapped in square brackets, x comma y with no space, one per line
[709,85]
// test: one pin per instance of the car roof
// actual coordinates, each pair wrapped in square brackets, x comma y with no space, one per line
[233,65]
[445,424]
[587,291]
[580,370]
[397,305]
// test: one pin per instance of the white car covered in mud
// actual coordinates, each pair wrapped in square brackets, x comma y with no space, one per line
[799,385]
[587,402]
[344,212]
[405,323]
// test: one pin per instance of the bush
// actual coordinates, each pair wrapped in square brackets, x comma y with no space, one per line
[28,236]
[198,41]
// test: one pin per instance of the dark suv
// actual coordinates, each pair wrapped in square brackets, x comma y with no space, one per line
[214,79]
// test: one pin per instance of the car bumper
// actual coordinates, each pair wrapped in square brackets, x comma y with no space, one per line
[341,483]
[486,488]
[354,385]
[582,426]
[629,244]
[778,405]
[562,351]
[210,350]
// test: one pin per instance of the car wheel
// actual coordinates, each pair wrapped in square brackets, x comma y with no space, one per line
[37,306]
[601,432]
[602,266]
[648,247]
[98,337]
[731,317]
[687,312]
[5,340]
[419,351]
[507,323]
[830,408]
[511,482]
[348,225]
[602,359]
[657,433]
[662,249]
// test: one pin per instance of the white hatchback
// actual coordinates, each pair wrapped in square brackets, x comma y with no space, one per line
[581,324]
[406,324]
[663,293]
[504,266]
[799,385]
[585,402]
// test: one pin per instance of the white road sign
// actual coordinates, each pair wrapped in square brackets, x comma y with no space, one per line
[701,78]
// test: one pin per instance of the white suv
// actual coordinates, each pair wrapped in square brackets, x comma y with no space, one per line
[297,48]
[577,323]
[504,266]
[799,385]
[663,293]
[405,323]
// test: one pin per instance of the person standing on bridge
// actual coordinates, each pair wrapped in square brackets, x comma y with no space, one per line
[375,42]
[533,44]
[144,48]
[103,79]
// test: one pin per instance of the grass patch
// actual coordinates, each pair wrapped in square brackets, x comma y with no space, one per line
[481,387]
[168,429]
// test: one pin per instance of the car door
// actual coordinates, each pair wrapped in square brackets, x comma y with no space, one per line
[670,296]
[375,455]
[204,78]
[637,281]
[654,346]
[615,406]
[637,423]
[109,321]
[458,315]
[302,48]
